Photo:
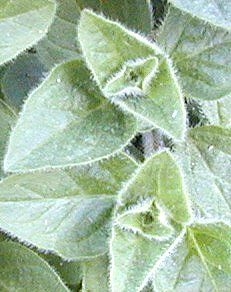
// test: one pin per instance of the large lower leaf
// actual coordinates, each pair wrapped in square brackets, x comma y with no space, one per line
[7,120]
[201,54]
[22,270]
[217,12]
[151,208]
[65,122]
[133,73]
[68,212]
[22,24]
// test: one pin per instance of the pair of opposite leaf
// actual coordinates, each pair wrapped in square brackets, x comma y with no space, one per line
[75,116]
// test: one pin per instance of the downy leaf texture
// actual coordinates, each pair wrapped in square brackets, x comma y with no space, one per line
[201,54]
[216,12]
[22,24]
[22,269]
[64,123]
[64,211]
[161,226]
[132,72]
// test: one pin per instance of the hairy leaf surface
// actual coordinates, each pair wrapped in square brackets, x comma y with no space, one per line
[22,24]
[201,54]
[23,270]
[132,72]
[65,122]
[151,208]
[206,162]
[65,211]
[217,12]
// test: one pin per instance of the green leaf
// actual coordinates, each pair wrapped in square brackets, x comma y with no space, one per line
[206,160]
[65,211]
[67,122]
[165,188]
[59,45]
[133,73]
[22,24]
[216,12]
[96,275]
[23,270]
[152,207]
[201,54]
[136,14]
[201,262]
[7,120]
[25,73]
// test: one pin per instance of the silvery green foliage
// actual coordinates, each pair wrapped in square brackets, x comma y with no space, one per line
[84,215]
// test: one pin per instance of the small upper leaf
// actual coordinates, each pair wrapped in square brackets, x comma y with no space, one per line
[23,270]
[132,72]
[22,24]
[201,54]
[217,12]
[66,121]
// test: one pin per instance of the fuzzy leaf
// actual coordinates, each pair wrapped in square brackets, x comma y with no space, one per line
[67,122]
[7,120]
[23,270]
[206,160]
[144,232]
[132,72]
[201,54]
[22,24]
[96,274]
[65,211]
[216,12]
[201,262]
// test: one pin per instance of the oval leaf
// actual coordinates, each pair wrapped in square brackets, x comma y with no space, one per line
[67,122]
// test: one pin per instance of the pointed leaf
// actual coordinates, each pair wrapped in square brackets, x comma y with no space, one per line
[22,24]
[217,12]
[124,63]
[201,54]
[160,180]
[65,211]
[23,270]
[67,122]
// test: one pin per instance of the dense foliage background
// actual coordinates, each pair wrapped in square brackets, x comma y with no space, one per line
[115,142]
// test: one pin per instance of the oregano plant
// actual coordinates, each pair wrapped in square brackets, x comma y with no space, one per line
[115,145]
